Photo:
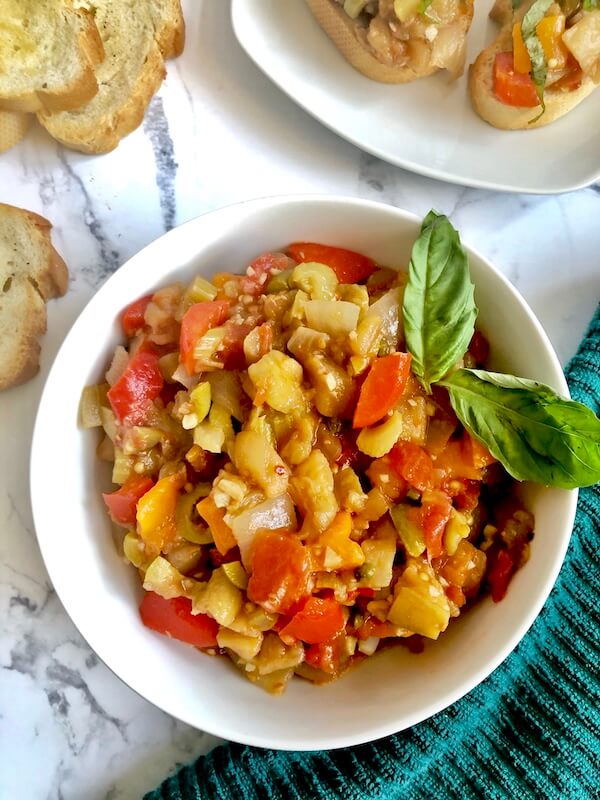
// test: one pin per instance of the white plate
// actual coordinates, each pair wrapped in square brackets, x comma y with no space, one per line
[428,126]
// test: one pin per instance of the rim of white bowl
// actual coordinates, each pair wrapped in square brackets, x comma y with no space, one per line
[376,731]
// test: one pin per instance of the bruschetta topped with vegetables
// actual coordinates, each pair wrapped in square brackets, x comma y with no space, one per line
[544,62]
[397,41]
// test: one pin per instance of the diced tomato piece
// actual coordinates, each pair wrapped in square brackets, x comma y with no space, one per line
[196,321]
[326,656]
[132,318]
[319,620]
[413,464]
[479,347]
[140,383]
[280,571]
[435,513]
[231,352]
[464,492]
[174,618]
[260,270]
[456,462]
[382,388]
[123,502]
[477,453]
[510,87]
[500,573]
[374,627]
[350,267]
[456,595]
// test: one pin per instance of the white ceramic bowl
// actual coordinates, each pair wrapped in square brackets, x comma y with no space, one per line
[389,692]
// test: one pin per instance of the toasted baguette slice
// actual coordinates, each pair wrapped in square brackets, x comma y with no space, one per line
[131,73]
[48,54]
[31,272]
[13,127]
[169,25]
[350,39]
[500,115]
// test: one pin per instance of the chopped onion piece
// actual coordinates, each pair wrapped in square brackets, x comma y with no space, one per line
[277,512]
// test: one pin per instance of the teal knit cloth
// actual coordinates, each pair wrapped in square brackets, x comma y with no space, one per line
[531,730]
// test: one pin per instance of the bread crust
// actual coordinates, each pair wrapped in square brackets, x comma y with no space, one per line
[79,90]
[500,115]
[28,279]
[171,36]
[342,31]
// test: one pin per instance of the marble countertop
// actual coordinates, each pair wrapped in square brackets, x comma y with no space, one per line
[218,132]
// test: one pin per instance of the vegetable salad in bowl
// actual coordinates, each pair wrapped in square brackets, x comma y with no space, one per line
[313,463]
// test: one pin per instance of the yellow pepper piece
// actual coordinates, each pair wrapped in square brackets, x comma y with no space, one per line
[335,549]
[550,31]
[156,513]
[522,61]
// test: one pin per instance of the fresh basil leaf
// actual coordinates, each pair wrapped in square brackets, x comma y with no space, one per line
[439,309]
[424,5]
[536,434]
[539,69]
[590,5]
[535,14]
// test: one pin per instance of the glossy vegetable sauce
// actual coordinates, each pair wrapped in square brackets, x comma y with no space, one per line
[291,496]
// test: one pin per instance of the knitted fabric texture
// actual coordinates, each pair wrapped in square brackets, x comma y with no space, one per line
[531,730]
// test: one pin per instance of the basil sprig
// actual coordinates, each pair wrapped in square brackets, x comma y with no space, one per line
[539,64]
[439,309]
[590,5]
[536,434]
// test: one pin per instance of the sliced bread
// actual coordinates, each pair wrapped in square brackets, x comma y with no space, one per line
[133,33]
[31,272]
[13,127]
[49,50]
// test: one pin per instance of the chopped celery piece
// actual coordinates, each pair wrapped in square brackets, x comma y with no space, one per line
[317,280]
[411,534]
[185,513]
[90,405]
[379,440]
[236,574]
[280,282]
[135,551]
[226,390]
[139,438]
[109,423]
[207,346]
[200,290]
[122,468]
[200,397]
[167,365]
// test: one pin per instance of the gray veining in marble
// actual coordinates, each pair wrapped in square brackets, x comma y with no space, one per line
[218,132]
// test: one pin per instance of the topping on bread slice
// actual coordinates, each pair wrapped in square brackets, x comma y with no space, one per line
[31,272]
[133,34]
[49,50]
